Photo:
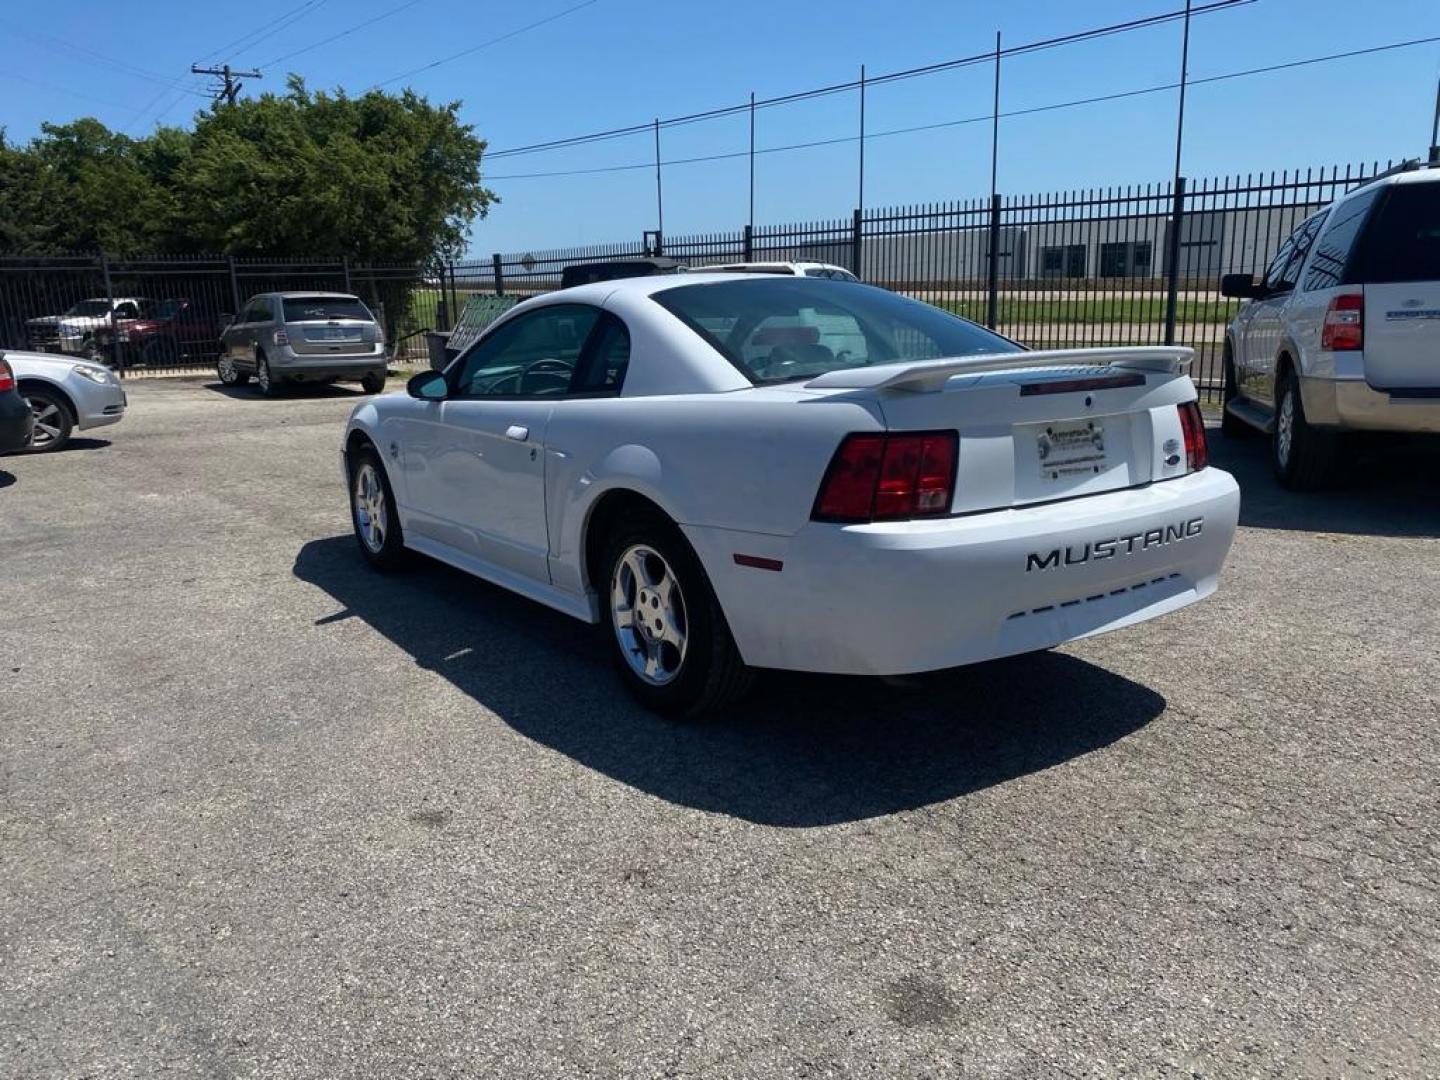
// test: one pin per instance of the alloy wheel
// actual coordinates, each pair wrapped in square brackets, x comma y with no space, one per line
[48,423]
[647,609]
[1285,428]
[227,370]
[370,510]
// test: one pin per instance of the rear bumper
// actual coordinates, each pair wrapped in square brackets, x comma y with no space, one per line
[289,364]
[915,596]
[15,422]
[1352,403]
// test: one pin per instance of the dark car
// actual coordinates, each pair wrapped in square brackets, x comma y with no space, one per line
[15,415]
[177,328]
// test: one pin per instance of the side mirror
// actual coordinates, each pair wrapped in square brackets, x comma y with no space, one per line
[1241,287]
[428,386]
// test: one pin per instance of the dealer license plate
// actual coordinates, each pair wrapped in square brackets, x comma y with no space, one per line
[1071,448]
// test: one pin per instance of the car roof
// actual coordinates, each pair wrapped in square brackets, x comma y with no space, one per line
[317,293]
[597,292]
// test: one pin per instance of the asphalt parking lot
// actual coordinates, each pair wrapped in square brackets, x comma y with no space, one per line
[264,813]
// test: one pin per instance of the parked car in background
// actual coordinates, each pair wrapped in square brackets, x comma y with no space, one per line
[86,327]
[65,396]
[644,454]
[15,417]
[787,269]
[292,337]
[1342,333]
[177,328]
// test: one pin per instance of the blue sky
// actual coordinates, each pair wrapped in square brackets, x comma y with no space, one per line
[613,63]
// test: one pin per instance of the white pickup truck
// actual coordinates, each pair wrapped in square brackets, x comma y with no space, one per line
[1343,331]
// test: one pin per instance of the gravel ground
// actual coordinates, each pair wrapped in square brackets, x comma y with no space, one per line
[264,813]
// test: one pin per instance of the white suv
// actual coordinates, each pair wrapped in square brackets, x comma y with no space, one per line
[1343,331]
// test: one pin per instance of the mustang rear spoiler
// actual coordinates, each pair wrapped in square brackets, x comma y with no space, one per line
[928,376]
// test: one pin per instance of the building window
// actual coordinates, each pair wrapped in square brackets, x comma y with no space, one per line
[1126,258]
[1063,261]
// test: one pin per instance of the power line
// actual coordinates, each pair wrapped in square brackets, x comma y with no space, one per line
[252,37]
[122,66]
[894,76]
[486,44]
[343,33]
[230,89]
[1030,111]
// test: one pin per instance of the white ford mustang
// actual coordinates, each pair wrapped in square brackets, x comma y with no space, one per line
[731,472]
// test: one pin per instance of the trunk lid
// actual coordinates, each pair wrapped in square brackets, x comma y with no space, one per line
[1040,426]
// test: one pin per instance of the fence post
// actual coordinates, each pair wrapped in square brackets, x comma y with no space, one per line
[857,224]
[345,262]
[115,356]
[499,274]
[1172,273]
[749,243]
[234,285]
[992,291]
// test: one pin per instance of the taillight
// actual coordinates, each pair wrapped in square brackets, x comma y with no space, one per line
[1192,424]
[7,377]
[282,338]
[889,477]
[1344,327]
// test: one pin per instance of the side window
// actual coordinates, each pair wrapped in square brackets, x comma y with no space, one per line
[1275,272]
[609,357]
[126,310]
[258,310]
[1283,275]
[1332,254]
[534,355]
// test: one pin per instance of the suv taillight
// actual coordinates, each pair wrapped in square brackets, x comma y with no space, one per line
[1344,327]
[7,376]
[875,477]
[1192,424]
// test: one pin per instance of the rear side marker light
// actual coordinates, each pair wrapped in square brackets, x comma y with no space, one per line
[1192,425]
[1344,326]
[758,562]
[875,477]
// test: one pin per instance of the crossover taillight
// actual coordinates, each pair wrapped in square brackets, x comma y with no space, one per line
[282,338]
[1192,425]
[1344,326]
[875,477]
[7,376]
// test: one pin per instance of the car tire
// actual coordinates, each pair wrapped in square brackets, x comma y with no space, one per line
[93,351]
[229,374]
[667,634]
[373,512]
[53,423]
[267,384]
[1302,456]
[1231,426]
[373,383]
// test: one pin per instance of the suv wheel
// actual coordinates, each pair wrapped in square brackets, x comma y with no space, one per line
[373,383]
[1302,456]
[229,374]
[668,637]
[263,381]
[52,421]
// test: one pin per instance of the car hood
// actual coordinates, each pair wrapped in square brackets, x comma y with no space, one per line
[45,364]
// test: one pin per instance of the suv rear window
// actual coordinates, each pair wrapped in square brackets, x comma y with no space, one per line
[1403,240]
[318,308]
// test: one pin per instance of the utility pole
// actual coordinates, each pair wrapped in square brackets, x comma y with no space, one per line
[860,195]
[1435,129]
[230,88]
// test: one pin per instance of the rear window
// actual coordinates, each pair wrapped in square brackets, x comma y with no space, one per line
[1403,241]
[319,308]
[781,329]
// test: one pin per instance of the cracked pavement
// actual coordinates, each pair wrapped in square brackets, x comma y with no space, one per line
[264,813]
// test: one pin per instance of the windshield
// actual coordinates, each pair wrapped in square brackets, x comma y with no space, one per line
[779,329]
[168,309]
[318,308]
[90,308]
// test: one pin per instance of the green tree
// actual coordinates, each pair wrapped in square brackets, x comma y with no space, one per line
[381,178]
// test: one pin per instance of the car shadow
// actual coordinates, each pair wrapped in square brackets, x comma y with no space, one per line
[75,443]
[6,478]
[1382,487]
[802,751]
[293,390]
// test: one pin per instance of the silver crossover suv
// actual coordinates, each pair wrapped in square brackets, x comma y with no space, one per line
[303,337]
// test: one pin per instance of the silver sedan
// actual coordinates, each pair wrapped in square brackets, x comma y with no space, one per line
[65,395]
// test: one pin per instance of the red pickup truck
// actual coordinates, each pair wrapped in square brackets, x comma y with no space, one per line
[176,329]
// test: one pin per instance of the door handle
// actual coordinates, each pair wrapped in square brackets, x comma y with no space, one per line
[517,432]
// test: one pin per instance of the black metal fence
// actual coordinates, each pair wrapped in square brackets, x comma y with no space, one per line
[1129,265]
